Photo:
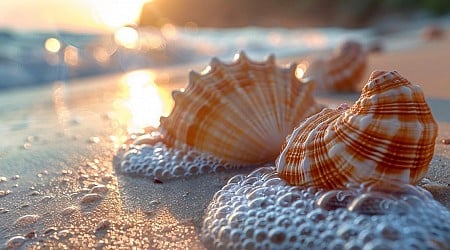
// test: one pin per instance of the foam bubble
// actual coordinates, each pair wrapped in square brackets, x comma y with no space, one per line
[147,155]
[261,211]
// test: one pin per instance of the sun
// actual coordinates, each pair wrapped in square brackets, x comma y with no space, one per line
[117,13]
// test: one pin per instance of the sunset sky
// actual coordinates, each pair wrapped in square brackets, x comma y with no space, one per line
[74,15]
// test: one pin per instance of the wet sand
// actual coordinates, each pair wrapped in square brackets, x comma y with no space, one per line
[58,145]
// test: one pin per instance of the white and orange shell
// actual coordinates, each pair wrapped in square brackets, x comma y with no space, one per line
[342,71]
[240,112]
[387,135]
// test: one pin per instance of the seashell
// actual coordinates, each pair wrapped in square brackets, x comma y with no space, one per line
[387,135]
[342,71]
[432,32]
[239,112]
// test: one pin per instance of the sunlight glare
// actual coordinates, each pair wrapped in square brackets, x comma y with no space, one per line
[117,13]
[301,69]
[62,112]
[145,102]
[206,70]
[127,37]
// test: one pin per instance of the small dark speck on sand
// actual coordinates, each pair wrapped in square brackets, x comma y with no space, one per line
[102,226]
[31,235]
[50,230]
[157,181]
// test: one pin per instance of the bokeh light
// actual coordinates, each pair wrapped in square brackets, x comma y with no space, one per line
[52,45]
[101,55]
[127,37]
[71,56]
[151,40]
[169,31]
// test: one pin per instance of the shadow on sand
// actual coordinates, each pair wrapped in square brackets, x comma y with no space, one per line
[184,198]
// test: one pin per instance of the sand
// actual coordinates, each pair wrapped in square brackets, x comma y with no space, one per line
[58,145]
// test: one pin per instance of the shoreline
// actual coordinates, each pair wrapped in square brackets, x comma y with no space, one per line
[196,47]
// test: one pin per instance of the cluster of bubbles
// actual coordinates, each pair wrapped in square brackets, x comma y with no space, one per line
[261,211]
[149,156]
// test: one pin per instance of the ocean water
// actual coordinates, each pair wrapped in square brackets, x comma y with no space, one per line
[26,60]
[30,58]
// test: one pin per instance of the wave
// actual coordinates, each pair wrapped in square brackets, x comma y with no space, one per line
[33,58]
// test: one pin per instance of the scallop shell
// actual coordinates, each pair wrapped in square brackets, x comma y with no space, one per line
[387,135]
[342,71]
[240,112]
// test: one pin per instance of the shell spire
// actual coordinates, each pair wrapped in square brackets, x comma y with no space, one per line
[240,112]
[387,135]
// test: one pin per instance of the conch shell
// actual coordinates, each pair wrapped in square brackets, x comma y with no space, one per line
[387,135]
[239,112]
[342,71]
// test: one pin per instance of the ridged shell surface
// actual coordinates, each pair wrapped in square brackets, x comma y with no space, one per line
[240,112]
[387,135]
[342,71]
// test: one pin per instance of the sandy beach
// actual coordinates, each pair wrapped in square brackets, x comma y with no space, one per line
[58,186]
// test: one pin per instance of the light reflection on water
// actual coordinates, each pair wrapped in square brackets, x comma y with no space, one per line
[62,112]
[145,100]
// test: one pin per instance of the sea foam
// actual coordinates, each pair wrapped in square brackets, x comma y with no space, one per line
[261,211]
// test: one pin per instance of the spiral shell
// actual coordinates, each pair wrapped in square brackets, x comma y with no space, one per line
[240,112]
[342,71]
[387,135]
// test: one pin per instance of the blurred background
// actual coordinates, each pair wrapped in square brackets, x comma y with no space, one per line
[59,40]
